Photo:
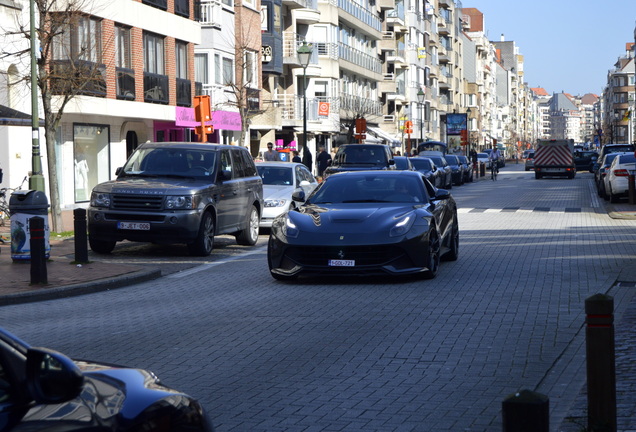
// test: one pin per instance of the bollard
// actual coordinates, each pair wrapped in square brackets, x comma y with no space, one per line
[526,411]
[482,169]
[631,189]
[38,253]
[601,366]
[81,242]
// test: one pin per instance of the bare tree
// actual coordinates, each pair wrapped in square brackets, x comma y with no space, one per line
[356,107]
[68,64]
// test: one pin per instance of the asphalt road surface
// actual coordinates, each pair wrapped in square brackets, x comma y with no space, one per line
[369,354]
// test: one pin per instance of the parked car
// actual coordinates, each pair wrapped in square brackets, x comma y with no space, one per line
[403,163]
[482,157]
[585,159]
[41,389]
[446,171]
[427,167]
[616,178]
[525,153]
[529,162]
[457,169]
[280,180]
[616,148]
[366,223]
[468,168]
[599,174]
[356,157]
[178,193]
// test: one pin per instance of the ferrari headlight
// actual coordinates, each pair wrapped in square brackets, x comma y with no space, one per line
[275,202]
[100,199]
[402,226]
[180,202]
[290,229]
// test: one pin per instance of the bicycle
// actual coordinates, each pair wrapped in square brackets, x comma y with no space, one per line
[494,170]
[5,213]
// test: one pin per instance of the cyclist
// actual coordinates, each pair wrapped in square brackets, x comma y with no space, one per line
[493,158]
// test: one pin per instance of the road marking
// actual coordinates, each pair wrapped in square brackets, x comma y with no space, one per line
[207,266]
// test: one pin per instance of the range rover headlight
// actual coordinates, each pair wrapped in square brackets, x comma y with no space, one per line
[180,202]
[100,199]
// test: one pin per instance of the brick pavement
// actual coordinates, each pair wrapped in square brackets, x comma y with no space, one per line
[62,272]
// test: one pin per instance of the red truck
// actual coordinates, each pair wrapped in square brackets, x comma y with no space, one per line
[554,157]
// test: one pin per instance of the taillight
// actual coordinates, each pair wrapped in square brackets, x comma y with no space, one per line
[621,173]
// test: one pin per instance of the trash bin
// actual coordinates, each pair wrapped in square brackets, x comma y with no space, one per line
[23,205]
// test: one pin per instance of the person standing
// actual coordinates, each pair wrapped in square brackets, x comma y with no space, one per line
[323,160]
[271,155]
[296,157]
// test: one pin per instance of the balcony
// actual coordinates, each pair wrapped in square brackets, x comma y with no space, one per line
[78,77]
[387,86]
[159,4]
[125,83]
[359,14]
[209,13]
[156,88]
[184,92]
[308,15]
[386,4]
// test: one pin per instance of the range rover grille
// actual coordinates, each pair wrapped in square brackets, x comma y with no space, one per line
[137,202]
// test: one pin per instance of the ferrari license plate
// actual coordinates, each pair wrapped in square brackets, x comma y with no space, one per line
[342,263]
[143,226]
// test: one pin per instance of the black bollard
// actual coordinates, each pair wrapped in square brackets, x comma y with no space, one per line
[526,411]
[601,365]
[38,253]
[81,244]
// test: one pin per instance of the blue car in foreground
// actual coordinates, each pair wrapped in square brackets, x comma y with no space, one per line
[43,390]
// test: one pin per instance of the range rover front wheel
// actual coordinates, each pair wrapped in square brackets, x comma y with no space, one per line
[204,243]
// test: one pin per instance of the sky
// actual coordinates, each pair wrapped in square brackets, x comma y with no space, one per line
[568,45]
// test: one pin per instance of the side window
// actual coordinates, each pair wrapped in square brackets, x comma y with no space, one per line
[239,170]
[248,162]
[226,163]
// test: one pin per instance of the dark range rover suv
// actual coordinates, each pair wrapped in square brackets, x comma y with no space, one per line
[358,157]
[178,193]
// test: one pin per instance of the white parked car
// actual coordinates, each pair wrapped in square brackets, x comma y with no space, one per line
[616,176]
[482,157]
[280,180]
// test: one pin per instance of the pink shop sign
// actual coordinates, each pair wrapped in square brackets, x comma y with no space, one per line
[227,120]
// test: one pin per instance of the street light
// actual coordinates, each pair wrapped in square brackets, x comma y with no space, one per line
[420,100]
[304,56]
[468,129]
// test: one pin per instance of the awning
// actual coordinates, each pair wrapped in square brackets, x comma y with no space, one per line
[384,136]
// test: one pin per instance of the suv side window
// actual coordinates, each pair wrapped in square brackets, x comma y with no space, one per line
[239,164]
[248,164]
[226,164]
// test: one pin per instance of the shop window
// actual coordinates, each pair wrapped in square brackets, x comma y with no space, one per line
[91,158]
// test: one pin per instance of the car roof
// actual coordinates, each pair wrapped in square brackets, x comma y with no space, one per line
[377,173]
[279,164]
[189,145]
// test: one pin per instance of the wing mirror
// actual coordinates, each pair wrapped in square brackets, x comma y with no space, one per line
[52,377]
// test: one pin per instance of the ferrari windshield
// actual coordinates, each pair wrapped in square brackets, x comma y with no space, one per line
[370,188]
[173,162]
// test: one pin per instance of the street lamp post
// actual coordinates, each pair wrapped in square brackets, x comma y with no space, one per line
[420,100]
[36,181]
[468,129]
[304,56]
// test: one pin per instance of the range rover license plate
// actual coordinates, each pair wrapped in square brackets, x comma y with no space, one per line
[342,263]
[144,226]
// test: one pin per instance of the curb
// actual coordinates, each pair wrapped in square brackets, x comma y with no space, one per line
[78,289]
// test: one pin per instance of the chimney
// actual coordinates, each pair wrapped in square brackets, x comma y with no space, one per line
[502,38]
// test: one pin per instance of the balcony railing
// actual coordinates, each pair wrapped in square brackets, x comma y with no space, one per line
[78,77]
[125,83]
[208,12]
[359,58]
[184,92]
[357,11]
[155,88]
[160,4]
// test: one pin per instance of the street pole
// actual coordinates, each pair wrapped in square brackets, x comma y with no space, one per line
[420,99]
[304,56]
[36,181]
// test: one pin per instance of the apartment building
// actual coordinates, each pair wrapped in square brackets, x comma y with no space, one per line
[618,101]
[140,57]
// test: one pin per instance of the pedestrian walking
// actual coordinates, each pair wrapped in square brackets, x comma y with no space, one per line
[271,155]
[323,160]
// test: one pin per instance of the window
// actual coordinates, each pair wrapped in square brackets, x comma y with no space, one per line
[90,153]
[228,71]
[81,39]
[154,54]
[181,58]
[122,47]
[250,77]
[201,73]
